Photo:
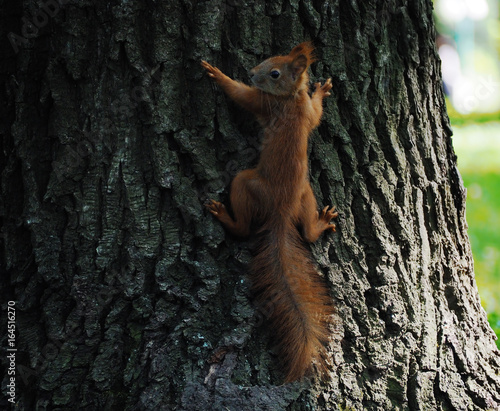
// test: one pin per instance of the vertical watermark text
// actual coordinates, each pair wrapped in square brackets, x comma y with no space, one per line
[11,352]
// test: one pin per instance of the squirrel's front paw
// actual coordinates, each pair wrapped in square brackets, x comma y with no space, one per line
[325,88]
[212,71]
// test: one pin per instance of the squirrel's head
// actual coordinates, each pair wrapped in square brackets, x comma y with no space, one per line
[284,75]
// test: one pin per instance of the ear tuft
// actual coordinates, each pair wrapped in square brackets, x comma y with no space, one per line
[306,49]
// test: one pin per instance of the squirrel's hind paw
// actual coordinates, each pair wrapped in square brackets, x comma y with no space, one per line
[326,215]
[215,207]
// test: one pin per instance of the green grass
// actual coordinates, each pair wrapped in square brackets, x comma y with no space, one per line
[478,151]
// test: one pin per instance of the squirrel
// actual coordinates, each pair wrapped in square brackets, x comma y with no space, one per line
[278,197]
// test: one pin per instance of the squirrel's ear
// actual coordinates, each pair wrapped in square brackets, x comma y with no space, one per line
[299,65]
[306,48]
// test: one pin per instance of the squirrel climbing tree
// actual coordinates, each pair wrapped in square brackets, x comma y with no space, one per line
[277,195]
[130,295]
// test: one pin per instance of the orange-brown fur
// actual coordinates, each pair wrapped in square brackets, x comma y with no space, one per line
[278,196]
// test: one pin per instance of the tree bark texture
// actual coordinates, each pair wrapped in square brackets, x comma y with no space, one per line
[129,295]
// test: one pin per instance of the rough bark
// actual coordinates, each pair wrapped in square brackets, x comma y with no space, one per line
[129,295]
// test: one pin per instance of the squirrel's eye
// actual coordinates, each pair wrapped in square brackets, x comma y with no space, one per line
[274,74]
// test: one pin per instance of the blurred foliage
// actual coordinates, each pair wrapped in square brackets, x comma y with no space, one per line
[468,42]
[472,29]
[478,149]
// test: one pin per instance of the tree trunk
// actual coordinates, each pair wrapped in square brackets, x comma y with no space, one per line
[127,294]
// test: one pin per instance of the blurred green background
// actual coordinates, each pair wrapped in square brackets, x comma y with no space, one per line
[469,47]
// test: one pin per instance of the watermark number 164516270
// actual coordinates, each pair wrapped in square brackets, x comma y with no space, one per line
[11,351]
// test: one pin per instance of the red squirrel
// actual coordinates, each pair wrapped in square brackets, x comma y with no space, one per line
[278,197]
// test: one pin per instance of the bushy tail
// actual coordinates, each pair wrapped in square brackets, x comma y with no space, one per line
[295,296]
